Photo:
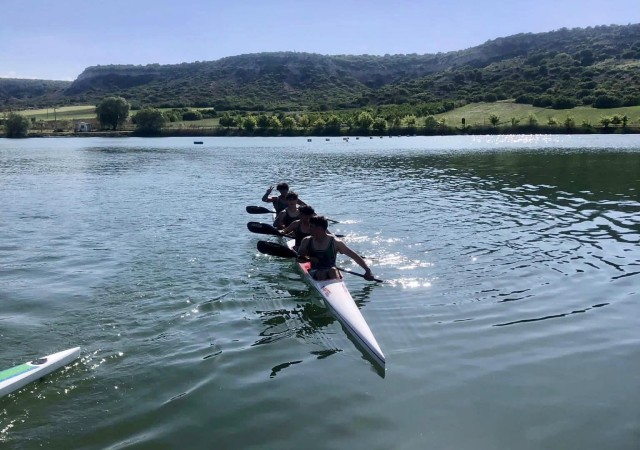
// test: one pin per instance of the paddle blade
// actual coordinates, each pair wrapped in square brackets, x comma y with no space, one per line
[273,249]
[258,210]
[263,228]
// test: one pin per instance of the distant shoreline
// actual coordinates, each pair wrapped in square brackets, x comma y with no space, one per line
[475,131]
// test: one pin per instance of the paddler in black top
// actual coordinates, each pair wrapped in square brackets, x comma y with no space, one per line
[300,227]
[321,248]
[280,201]
[290,214]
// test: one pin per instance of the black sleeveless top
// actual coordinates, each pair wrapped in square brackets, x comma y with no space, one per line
[288,220]
[327,256]
[299,235]
[280,205]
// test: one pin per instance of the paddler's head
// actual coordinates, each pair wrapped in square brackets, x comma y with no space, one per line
[292,199]
[306,212]
[283,188]
[318,225]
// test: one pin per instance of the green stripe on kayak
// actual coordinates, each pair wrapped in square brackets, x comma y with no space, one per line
[15,371]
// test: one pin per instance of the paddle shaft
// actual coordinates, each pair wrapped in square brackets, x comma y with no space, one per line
[357,274]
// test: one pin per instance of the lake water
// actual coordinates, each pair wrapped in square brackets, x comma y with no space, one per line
[509,316]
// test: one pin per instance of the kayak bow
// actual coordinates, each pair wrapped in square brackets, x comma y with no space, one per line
[338,299]
[16,377]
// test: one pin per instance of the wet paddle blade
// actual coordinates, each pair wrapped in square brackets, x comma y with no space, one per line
[273,249]
[259,210]
[262,228]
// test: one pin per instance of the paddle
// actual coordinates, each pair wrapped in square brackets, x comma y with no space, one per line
[265,228]
[263,210]
[259,210]
[273,249]
[282,251]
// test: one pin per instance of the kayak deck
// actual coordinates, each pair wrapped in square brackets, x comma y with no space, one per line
[338,299]
[18,376]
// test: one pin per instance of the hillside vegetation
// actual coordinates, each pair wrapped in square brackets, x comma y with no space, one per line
[595,67]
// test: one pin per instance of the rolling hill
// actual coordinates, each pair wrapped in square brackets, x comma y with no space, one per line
[560,69]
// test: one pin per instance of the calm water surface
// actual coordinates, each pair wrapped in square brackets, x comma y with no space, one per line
[509,317]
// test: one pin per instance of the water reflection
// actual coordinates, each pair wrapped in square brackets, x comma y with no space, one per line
[306,321]
[282,366]
[554,316]
[117,160]
[298,322]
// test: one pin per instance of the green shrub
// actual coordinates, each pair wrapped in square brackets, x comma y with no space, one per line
[526,99]
[191,115]
[607,101]
[149,121]
[564,103]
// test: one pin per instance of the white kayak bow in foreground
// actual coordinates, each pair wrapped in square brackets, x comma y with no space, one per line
[16,377]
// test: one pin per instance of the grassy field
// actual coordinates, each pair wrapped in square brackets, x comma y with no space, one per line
[478,114]
[84,112]
[62,113]
[204,123]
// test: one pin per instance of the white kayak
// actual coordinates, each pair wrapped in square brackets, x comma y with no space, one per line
[338,299]
[16,377]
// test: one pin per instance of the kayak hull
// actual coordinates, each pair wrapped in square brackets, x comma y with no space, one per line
[16,377]
[338,299]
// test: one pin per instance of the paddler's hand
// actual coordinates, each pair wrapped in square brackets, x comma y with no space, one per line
[368,275]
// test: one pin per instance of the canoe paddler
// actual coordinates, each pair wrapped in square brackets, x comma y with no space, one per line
[321,248]
[290,214]
[300,228]
[279,201]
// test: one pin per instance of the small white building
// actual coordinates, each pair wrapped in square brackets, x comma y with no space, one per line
[83,127]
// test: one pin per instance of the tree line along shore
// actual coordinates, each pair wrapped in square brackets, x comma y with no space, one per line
[113,116]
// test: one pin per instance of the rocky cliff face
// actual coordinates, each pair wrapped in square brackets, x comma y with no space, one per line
[106,80]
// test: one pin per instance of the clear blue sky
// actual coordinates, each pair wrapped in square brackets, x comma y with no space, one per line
[58,39]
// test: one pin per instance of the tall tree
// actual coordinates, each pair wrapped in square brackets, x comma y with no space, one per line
[364,120]
[430,122]
[262,121]
[288,123]
[410,120]
[16,125]
[332,123]
[304,121]
[112,112]
[380,124]
[275,123]
[249,123]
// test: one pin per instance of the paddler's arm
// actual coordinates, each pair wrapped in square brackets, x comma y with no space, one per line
[344,249]
[278,223]
[303,251]
[291,228]
[265,197]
